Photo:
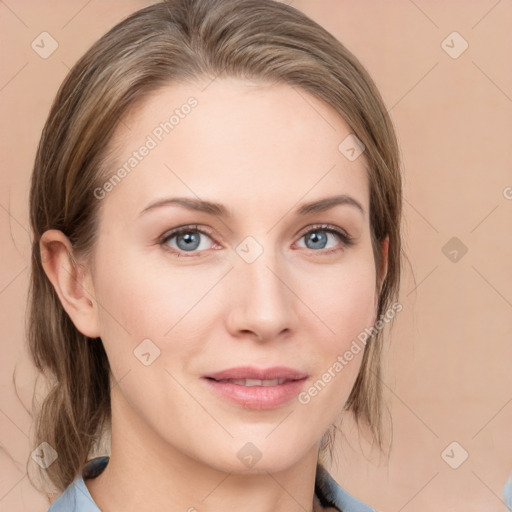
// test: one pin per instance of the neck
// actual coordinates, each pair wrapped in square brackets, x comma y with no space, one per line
[156,476]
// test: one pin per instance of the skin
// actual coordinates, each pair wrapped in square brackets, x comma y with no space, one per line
[261,151]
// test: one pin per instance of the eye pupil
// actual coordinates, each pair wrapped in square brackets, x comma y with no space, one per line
[191,241]
[318,238]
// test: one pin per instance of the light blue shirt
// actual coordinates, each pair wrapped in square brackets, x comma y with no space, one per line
[76,497]
[507,493]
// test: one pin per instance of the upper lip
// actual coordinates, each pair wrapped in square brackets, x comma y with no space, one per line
[251,372]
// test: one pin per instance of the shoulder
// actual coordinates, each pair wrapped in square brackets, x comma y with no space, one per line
[330,493]
[76,497]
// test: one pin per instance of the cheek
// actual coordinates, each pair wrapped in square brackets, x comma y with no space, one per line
[343,298]
[137,301]
[345,304]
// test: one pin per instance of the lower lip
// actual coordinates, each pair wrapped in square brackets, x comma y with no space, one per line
[257,397]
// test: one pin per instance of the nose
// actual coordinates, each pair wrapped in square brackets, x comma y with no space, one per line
[262,303]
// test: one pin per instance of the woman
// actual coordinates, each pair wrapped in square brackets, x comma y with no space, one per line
[215,207]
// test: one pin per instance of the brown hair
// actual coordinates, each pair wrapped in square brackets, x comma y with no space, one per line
[180,40]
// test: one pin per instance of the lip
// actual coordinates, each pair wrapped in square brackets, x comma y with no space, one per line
[257,397]
[251,372]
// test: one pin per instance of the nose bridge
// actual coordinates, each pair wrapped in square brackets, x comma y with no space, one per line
[262,301]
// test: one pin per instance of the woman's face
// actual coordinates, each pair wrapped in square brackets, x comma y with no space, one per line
[255,282]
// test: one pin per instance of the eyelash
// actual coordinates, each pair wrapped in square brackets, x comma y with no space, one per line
[347,241]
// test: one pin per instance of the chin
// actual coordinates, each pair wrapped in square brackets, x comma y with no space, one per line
[261,455]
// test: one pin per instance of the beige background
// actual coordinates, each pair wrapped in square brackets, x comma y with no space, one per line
[448,373]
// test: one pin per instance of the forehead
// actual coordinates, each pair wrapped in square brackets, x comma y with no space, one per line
[234,138]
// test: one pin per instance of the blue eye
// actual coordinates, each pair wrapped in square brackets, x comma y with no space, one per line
[191,240]
[318,237]
[188,239]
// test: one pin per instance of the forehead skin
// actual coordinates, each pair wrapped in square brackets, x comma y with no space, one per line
[261,149]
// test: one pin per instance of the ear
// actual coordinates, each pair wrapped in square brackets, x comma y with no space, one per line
[71,281]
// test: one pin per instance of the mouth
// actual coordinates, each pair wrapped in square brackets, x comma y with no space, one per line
[252,373]
[253,382]
[257,388]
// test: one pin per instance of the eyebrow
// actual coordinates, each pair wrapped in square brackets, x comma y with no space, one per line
[218,210]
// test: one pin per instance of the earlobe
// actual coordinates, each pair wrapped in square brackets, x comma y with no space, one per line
[70,280]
